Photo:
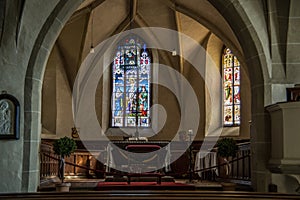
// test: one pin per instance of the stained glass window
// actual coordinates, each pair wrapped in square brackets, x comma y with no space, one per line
[131,74]
[231,89]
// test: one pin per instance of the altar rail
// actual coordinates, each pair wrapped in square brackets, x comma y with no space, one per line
[90,167]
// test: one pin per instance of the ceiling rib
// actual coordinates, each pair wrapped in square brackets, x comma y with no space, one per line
[122,26]
[210,26]
[133,9]
[179,29]
[83,40]
[85,10]
[64,61]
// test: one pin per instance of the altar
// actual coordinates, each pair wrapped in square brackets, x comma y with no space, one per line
[136,156]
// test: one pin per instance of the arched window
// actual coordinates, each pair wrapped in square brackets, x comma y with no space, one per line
[131,74]
[231,89]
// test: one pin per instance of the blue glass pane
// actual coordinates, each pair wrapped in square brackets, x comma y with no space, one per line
[130,57]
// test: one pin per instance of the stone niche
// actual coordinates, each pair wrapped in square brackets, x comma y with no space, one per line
[285,136]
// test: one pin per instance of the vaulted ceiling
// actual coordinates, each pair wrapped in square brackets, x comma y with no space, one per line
[96,20]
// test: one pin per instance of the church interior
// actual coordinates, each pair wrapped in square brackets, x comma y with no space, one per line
[147,90]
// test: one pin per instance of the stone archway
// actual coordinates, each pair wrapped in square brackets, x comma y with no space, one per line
[33,90]
[257,64]
[254,55]
[256,60]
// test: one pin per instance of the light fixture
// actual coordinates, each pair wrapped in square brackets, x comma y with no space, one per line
[174,53]
[92,50]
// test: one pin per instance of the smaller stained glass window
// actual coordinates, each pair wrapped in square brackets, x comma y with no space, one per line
[231,89]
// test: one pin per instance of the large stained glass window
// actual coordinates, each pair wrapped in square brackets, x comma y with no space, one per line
[131,74]
[231,89]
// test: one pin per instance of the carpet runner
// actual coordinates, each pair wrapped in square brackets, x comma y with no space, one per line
[143,186]
[142,183]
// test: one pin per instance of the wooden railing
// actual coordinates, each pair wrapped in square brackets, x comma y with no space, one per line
[48,166]
[240,167]
[49,163]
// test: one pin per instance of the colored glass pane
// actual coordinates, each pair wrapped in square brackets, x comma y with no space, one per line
[231,88]
[228,115]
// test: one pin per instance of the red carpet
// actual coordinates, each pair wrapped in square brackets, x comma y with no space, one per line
[143,186]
